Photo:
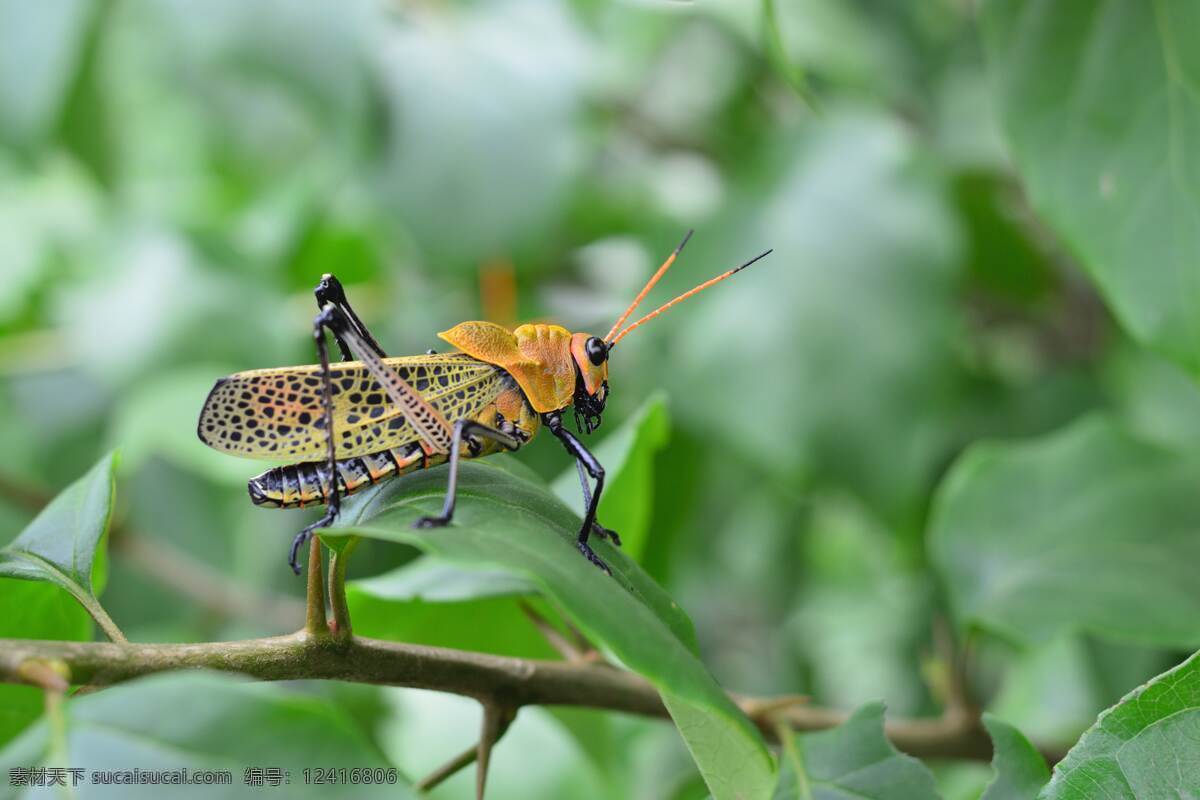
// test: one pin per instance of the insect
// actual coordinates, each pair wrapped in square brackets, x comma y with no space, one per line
[337,428]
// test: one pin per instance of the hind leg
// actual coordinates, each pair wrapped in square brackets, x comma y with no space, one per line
[336,314]
[334,503]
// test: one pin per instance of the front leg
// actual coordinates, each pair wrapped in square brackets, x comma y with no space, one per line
[584,457]
[597,528]
[463,428]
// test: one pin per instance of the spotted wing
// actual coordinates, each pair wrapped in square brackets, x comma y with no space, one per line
[278,415]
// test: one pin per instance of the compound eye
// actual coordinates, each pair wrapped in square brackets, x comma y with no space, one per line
[597,350]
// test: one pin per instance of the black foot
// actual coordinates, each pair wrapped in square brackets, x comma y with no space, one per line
[294,554]
[304,535]
[606,533]
[591,556]
[432,522]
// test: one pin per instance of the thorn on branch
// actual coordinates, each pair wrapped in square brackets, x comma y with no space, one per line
[496,721]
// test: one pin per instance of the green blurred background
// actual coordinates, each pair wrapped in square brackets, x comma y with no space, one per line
[175,177]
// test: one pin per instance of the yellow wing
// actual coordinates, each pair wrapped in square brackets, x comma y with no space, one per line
[278,414]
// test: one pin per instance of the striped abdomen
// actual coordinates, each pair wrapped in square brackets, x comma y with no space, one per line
[309,483]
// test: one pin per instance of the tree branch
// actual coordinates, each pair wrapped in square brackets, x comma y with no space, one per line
[512,682]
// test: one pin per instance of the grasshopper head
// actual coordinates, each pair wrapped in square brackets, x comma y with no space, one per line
[590,354]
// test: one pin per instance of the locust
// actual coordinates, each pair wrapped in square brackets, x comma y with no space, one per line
[333,429]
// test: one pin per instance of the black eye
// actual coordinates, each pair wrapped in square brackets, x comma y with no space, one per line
[596,349]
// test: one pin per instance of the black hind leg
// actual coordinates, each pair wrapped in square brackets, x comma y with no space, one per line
[331,300]
[330,292]
[335,495]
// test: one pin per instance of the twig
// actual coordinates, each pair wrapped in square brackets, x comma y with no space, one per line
[569,650]
[520,682]
[765,707]
[449,769]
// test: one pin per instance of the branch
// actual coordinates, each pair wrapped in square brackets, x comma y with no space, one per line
[512,682]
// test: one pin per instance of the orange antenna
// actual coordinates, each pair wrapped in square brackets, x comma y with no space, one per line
[649,285]
[685,296]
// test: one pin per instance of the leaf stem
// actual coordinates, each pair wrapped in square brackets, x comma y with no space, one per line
[342,628]
[315,623]
[93,607]
[792,753]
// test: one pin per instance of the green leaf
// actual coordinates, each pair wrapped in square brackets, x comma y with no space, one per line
[34,610]
[1100,105]
[1020,769]
[1145,746]
[508,521]
[206,721]
[60,545]
[434,603]
[854,760]
[628,459]
[1085,529]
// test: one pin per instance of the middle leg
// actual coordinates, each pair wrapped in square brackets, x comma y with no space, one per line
[597,528]
[463,428]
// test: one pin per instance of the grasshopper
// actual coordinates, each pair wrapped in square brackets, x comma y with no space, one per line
[336,429]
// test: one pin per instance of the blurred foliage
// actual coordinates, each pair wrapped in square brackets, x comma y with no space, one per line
[852,760]
[819,484]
